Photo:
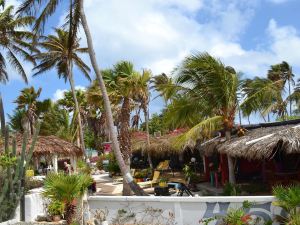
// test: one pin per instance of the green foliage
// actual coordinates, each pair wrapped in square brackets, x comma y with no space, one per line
[156,124]
[16,120]
[66,188]
[55,208]
[12,170]
[231,189]
[236,216]
[83,167]
[288,198]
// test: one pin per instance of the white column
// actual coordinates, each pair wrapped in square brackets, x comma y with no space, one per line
[54,162]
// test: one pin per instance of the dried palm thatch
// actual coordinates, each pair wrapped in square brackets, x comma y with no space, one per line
[161,145]
[47,145]
[259,143]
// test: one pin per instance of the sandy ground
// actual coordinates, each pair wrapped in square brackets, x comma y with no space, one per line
[107,186]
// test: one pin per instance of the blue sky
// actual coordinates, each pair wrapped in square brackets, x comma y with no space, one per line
[249,35]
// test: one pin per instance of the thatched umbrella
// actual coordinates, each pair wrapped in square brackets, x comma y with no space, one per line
[259,143]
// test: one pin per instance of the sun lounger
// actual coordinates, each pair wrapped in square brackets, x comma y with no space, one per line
[155,180]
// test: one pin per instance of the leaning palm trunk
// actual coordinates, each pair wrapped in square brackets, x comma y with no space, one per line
[230,161]
[71,80]
[124,169]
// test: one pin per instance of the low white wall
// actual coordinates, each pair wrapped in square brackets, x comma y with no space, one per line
[178,210]
[34,205]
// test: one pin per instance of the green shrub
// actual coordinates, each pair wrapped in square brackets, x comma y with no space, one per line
[231,189]
[83,167]
[288,198]
[55,208]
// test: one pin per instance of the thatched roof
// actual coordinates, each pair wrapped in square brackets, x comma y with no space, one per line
[47,145]
[260,141]
[160,145]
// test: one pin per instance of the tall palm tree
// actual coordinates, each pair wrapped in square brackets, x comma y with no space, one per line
[76,15]
[210,82]
[14,42]
[56,55]
[143,96]
[27,101]
[283,71]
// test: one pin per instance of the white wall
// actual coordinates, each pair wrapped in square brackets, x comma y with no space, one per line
[185,210]
[34,205]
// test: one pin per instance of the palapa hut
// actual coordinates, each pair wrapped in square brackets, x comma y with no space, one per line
[269,151]
[161,147]
[51,149]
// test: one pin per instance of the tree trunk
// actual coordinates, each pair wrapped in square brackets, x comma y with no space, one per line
[126,173]
[146,114]
[124,137]
[230,161]
[289,82]
[77,109]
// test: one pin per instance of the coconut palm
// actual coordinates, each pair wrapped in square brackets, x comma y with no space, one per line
[284,72]
[165,86]
[27,101]
[207,80]
[14,42]
[56,55]
[143,96]
[76,15]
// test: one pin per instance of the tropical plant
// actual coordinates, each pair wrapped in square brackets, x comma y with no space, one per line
[14,42]
[288,198]
[236,216]
[28,103]
[206,81]
[55,208]
[12,169]
[67,189]
[283,71]
[75,15]
[62,53]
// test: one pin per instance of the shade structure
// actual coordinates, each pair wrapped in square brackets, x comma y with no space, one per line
[259,142]
[49,145]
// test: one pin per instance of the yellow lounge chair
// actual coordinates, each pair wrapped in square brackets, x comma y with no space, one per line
[155,180]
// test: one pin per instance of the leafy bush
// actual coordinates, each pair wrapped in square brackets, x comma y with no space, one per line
[288,198]
[55,208]
[235,217]
[83,167]
[231,189]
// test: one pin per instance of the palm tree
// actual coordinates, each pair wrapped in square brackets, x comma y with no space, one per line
[75,16]
[14,42]
[144,98]
[56,55]
[67,189]
[27,101]
[209,81]
[165,86]
[283,71]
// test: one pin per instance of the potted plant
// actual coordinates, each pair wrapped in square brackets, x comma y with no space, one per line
[163,182]
[139,177]
[55,210]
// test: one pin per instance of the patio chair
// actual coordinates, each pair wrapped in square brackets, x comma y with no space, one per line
[155,180]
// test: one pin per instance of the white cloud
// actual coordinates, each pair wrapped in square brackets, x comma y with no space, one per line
[158,34]
[59,93]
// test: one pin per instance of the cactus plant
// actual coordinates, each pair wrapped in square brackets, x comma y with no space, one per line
[12,169]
